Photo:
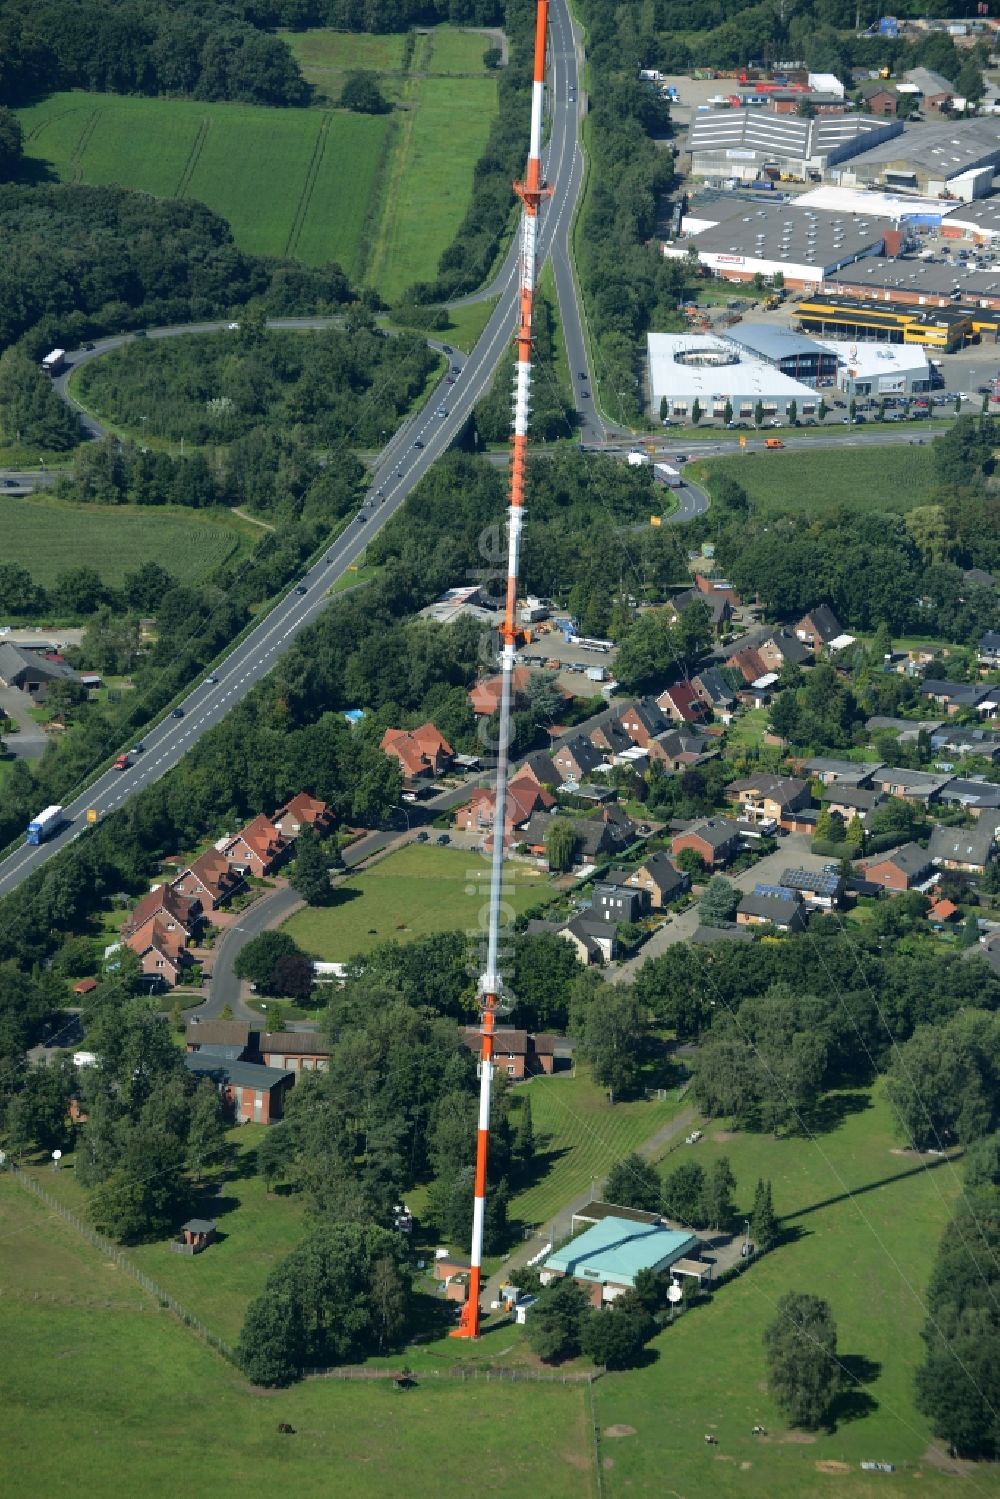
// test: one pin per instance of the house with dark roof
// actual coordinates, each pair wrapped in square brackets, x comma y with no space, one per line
[542,769]
[817,628]
[769,798]
[955,697]
[717,587]
[772,905]
[201,1033]
[254,1093]
[662,881]
[576,758]
[420,752]
[973,795]
[611,738]
[594,942]
[294,1051]
[852,801]
[966,849]
[643,721]
[901,869]
[989,650]
[716,840]
[713,689]
[679,748]
[535,832]
[783,647]
[615,901]
[719,609]
[917,786]
[682,703]
[935,91]
[957,739]
[32,671]
[831,772]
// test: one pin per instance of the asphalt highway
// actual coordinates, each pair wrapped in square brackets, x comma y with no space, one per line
[407,457]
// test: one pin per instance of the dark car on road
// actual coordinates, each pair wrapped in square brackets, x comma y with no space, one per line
[301,588]
[177,713]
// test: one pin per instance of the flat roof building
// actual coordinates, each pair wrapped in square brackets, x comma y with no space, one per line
[880,369]
[928,158]
[684,368]
[803,247]
[792,353]
[742,144]
[607,1257]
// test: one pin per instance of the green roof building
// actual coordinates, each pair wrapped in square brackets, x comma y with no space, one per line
[609,1255]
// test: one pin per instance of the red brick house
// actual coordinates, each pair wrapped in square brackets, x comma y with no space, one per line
[208,879]
[576,758]
[682,703]
[294,1051]
[524,797]
[749,663]
[901,869]
[660,879]
[542,769]
[817,628]
[302,811]
[715,839]
[420,752]
[258,849]
[518,1053]
[254,1093]
[161,949]
[643,722]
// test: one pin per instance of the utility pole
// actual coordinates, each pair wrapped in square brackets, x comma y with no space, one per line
[530,191]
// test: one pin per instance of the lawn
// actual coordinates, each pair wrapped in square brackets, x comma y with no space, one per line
[442,135]
[417,890]
[895,478]
[583,1136]
[98,1383]
[870,1256]
[49,536]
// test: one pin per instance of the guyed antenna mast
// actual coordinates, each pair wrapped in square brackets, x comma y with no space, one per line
[530,191]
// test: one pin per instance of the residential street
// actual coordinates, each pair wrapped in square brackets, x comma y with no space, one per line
[793,853]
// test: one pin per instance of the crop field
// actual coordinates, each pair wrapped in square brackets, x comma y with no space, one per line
[290,181]
[896,477]
[870,1255]
[417,890]
[49,537]
[97,1379]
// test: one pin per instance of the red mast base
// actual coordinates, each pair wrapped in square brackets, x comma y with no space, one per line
[468,1322]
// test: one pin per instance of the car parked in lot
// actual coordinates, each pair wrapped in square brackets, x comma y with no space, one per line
[421,837]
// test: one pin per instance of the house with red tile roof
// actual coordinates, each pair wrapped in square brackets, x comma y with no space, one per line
[258,849]
[485,696]
[682,703]
[304,811]
[420,752]
[161,949]
[209,878]
[166,902]
[524,798]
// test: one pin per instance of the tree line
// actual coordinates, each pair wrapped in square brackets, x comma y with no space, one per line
[81,261]
[122,47]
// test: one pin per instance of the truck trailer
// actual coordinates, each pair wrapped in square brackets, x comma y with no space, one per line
[45,824]
[54,362]
[668,475]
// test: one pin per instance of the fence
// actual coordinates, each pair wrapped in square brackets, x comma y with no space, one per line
[490,1372]
[124,1263]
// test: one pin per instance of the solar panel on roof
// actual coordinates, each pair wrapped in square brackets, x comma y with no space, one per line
[776,892]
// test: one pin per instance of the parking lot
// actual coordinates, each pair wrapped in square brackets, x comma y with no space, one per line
[553,651]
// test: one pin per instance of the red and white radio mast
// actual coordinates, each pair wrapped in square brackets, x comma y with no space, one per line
[531,192]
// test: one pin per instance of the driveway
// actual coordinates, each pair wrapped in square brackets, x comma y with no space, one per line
[30,742]
[793,853]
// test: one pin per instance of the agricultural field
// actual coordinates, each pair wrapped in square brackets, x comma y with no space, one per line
[896,477]
[381,194]
[870,1255]
[418,890]
[49,537]
[97,1377]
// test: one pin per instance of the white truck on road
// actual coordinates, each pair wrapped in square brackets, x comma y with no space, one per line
[45,824]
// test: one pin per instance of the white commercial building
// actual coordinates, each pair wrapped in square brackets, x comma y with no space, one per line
[685,368]
[741,240]
[742,145]
[874,369]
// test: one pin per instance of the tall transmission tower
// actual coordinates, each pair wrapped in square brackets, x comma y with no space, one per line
[531,192]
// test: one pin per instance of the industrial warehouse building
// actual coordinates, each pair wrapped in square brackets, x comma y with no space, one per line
[958,157]
[607,1257]
[854,318]
[744,144]
[880,369]
[918,283]
[792,353]
[742,240]
[686,367]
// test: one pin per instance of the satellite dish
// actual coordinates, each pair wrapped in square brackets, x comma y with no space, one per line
[674,1292]
[57,1155]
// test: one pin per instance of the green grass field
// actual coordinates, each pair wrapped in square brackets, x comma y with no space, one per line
[870,1256]
[896,478]
[97,1382]
[584,1135]
[290,181]
[49,536]
[417,890]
